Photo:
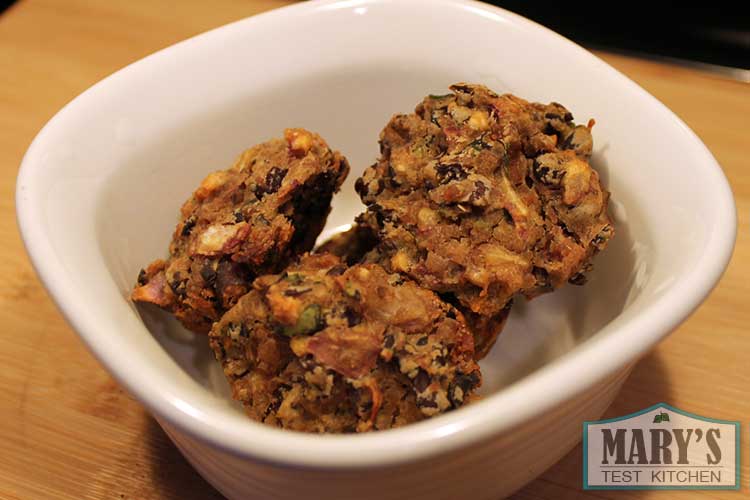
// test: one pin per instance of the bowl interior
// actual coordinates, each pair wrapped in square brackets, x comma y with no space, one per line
[348,106]
[101,186]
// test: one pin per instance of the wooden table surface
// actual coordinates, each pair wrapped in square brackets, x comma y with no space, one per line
[67,431]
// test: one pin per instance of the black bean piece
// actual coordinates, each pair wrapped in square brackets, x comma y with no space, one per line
[450,172]
[296,292]
[479,191]
[567,116]
[507,217]
[353,317]
[467,382]
[567,232]
[426,403]
[381,214]
[421,381]
[360,187]
[539,171]
[540,273]
[461,386]
[385,149]
[366,407]
[578,279]
[142,277]
[422,340]
[542,279]
[566,142]
[276,398]
[222,354]
[549,130]
[274,177]
[208,273]
[178,287]
[188,225]
[479,144]
[466,89]
[546,174]
[337,270]
[388,341]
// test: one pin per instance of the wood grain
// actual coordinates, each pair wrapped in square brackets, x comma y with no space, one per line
[69,432]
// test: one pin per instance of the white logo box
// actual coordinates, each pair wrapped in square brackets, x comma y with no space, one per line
[661,447]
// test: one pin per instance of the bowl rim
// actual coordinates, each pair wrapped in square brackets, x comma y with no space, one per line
[528,397]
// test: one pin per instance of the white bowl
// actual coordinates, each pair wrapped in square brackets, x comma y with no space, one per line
[100,187]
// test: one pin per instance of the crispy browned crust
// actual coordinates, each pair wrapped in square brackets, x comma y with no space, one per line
[324,347]
[479,197]
[251,219]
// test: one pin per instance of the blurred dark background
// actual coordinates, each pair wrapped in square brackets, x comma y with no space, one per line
[717,35]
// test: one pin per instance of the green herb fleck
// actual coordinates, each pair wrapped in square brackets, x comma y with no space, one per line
[294,278]
[309,321]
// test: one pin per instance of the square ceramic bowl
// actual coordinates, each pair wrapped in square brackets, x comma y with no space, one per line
[100,188]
